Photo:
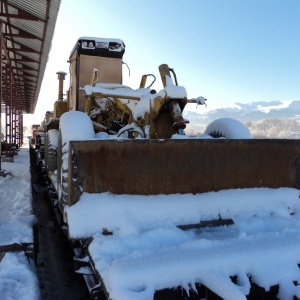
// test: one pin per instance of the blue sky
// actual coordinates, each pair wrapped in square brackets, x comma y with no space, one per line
[226,50]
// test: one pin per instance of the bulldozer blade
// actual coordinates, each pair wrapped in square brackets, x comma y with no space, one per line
[150,167]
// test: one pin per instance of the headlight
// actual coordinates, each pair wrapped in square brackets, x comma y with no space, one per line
[113,46]
[88,44]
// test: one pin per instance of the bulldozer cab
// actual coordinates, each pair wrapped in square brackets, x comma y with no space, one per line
[91,53]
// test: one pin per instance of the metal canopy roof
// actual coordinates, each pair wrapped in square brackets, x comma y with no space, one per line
[27,29]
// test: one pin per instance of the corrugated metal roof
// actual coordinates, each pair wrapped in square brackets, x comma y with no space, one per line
[28,28]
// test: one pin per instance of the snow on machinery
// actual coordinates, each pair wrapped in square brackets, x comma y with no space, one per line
[106,137]
[190,165]
[112,107]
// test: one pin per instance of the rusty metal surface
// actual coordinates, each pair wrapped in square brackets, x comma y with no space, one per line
[149,167]
[16,247]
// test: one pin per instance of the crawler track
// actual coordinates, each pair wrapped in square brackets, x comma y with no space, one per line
[55,268]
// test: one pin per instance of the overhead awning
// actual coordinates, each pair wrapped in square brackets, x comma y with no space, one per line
[27,32]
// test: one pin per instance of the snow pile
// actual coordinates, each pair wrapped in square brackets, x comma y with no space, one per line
[17,230]
[148,252]
[17,275]
[229,128]
[17,278]
[15,197]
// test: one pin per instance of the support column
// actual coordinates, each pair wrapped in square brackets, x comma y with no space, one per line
[13,118]
[21,134]
[1,93]
[9,115]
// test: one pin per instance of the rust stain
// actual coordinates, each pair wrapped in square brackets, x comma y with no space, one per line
[149,167]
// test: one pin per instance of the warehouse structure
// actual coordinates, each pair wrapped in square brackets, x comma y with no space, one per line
[26,32]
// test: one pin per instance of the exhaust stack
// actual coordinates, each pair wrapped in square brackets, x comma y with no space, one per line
[61,78]
[60,106]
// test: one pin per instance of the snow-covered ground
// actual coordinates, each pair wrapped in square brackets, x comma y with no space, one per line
[18,278]
[148,251]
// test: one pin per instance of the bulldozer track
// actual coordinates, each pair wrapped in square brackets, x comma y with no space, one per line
[54,263]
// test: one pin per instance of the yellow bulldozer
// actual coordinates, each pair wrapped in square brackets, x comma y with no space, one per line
[105,137]
[146,121]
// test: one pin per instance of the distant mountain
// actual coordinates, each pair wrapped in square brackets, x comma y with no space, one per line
[253,111]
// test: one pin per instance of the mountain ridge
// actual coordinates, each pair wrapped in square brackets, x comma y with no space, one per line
[247,112]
